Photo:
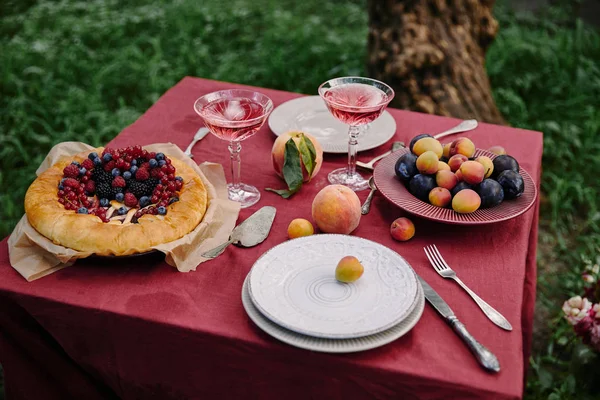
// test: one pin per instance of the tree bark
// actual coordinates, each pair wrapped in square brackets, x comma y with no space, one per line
[432,53]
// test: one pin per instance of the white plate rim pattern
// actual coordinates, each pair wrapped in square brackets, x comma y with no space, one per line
[325,345]
[330,335]
[342,146]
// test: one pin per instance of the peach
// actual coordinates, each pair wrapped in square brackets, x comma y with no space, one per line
[487,163]
[428,144]
[446,150]
[466,201]
[446,179]
[278,153]
[462,146]
[300,227]
[442,166]
[472,172]
[455,161]
[336,209]
[499,150]
[427,163]
[402,229]
[440,196]
[349,269]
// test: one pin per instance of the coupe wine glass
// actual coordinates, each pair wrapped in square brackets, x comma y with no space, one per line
[235,115]
[355,101]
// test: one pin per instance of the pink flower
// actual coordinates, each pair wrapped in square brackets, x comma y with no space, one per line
[587,278]
[576,309]
[595,313]
[583,328]
[595,336]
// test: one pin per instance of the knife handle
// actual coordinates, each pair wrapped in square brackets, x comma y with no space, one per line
[213,253]
[485,357]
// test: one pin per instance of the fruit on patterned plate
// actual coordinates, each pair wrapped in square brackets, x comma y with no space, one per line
[427,163]
[472,172]
[462,146]
[349,269]
[406,167]
[440,197]
[466,201]
[428,144]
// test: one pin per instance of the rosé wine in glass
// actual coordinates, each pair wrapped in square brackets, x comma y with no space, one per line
[354,101]
[235,115]
[233,119]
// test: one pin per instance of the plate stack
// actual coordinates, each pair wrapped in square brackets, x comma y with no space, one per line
[291,293]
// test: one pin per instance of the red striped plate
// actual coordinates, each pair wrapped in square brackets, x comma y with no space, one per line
[395,191]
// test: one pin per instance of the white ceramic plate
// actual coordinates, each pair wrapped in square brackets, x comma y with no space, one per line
[333,345]
[309,114]
[294,285]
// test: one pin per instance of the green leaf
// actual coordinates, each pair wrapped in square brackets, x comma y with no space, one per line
[285,193]
[292,171]
[309,154]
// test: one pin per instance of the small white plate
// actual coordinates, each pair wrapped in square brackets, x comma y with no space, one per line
[310,114]
[332,345]
[294,285]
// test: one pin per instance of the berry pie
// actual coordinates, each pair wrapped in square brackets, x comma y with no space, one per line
[116,201]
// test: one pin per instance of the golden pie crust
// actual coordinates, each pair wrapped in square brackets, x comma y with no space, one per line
[87,233]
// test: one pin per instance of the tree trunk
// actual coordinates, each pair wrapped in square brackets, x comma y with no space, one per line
[432,52]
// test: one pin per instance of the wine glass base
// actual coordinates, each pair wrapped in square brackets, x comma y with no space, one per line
[247,195]
[355,182]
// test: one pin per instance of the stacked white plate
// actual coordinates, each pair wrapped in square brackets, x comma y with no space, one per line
[291,293]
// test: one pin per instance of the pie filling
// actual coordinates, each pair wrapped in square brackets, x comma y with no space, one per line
[120,185]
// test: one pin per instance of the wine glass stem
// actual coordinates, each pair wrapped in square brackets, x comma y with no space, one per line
[352,148]
[234,150]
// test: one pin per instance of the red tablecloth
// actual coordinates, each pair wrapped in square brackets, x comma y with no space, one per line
[138,329]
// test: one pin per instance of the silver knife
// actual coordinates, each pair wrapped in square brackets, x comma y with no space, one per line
[485,357]
[252,231]
[197,137]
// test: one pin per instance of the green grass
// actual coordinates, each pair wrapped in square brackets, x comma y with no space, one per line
[84,70]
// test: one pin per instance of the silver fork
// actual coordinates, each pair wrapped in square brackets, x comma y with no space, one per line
[442,268]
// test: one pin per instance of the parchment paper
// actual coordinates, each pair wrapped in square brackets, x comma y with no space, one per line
[35,256]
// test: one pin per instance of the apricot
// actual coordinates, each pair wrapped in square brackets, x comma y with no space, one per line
[336,209]
[416,139]
[300,227]
[428,144]
[446,179]
[442,166]
[278,153]
[455,161]
[440,197]
[458,175]
[488,165]
[472,172]
[427,163]
[402,229]
[349,269]
[499,150]
[466,201]
[462,146]
[446,150]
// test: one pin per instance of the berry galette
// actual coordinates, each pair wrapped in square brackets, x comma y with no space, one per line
[116,201]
